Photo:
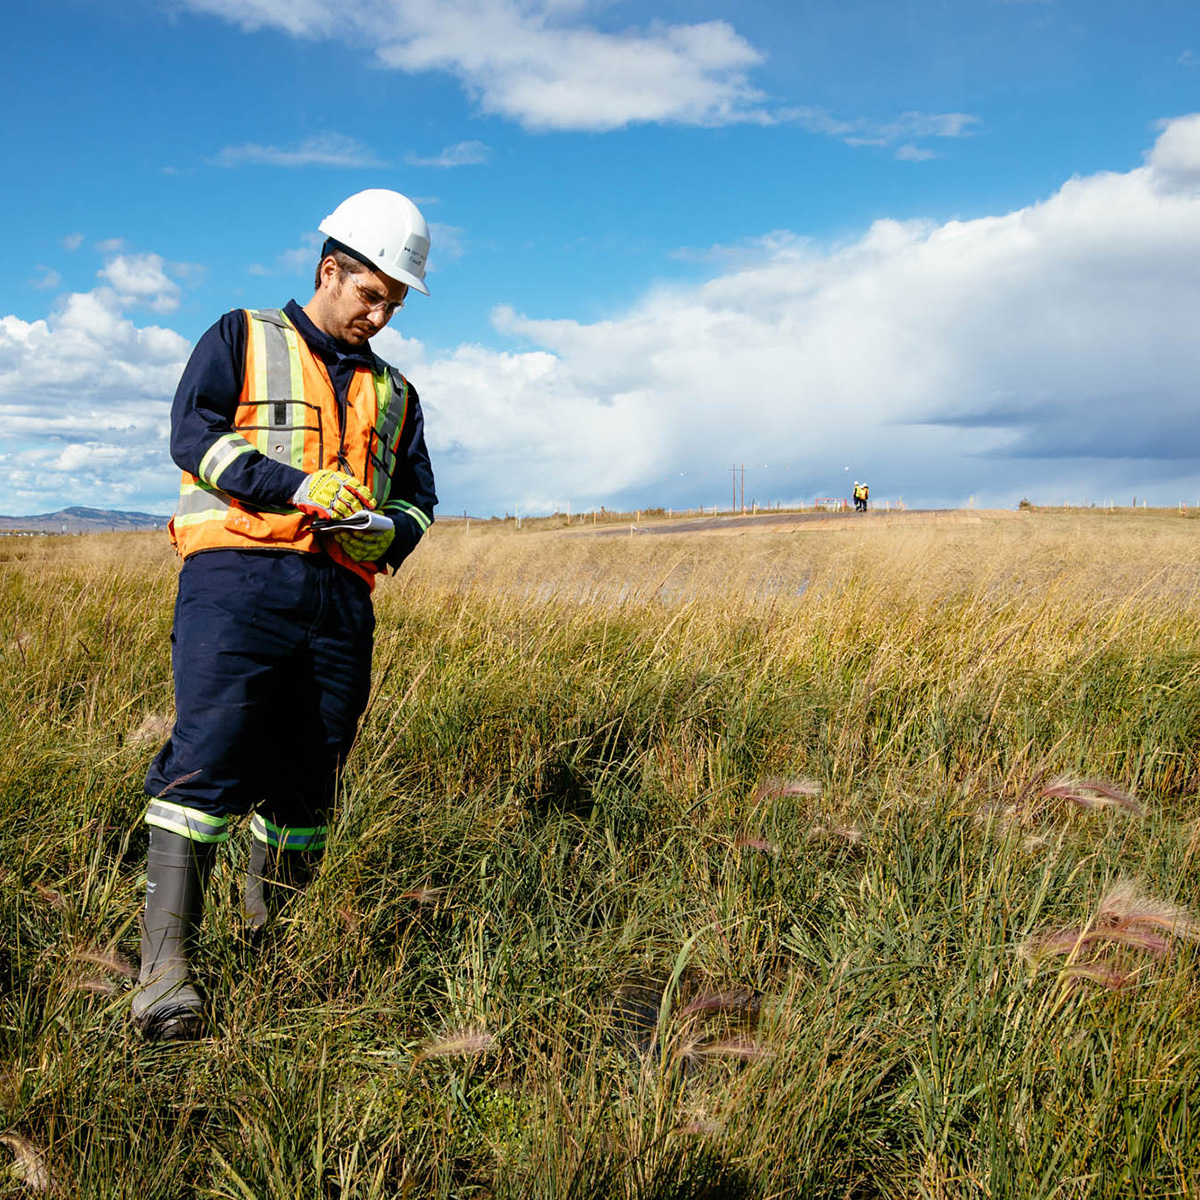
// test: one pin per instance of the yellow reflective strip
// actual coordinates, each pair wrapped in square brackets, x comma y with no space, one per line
[221,453]
[197,518]
[258,331]
[198,497]
[244,448]
[376,480]
[190,823]
[409,510]
[288,837]
[212,454]
[295,407]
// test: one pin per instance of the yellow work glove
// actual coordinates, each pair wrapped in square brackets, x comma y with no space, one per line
[328,493]
[365,547]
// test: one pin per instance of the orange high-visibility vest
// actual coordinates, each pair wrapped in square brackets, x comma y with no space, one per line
[287,410]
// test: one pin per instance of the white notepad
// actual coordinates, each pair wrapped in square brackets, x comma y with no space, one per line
[364,521]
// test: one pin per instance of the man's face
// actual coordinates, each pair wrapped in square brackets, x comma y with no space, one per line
[355,306]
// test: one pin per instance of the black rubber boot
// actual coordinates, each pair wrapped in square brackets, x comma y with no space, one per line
[272,876]
[166,1006]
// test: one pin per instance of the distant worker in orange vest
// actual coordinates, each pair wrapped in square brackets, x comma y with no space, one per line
[285,421]
[865,493]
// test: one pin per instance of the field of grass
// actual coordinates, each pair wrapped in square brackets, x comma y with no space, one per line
[849,860]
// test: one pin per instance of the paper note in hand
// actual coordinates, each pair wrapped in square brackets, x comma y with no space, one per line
[364,521]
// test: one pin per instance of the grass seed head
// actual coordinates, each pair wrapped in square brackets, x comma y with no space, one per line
[1126,924]
[757,843]
[106,960]
[1124,907]
[50,896]
[153,730]
[96,985]
[773,786]
[849,834]
[1106,974]
[29,1163]
[703,1127]
[460,1044]
[743,1049]
[1092,794]
[739,1000]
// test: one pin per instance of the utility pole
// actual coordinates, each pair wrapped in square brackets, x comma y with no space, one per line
[735,472]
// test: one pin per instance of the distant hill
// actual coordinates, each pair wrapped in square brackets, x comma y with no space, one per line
[82,520]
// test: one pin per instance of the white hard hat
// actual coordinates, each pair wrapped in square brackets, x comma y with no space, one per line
[387,230]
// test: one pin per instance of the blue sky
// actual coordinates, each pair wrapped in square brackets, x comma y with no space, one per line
[952,249]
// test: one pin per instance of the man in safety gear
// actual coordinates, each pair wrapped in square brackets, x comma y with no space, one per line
[284,422]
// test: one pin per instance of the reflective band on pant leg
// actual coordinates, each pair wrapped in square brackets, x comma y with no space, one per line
[190,823]
[287,837]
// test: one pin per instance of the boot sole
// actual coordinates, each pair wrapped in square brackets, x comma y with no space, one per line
[173,1025]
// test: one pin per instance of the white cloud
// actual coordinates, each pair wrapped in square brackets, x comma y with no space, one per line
[542,64]
[299,260]
[49,279]
[864,131]
[1050,351]
[537,61]
[72,241]
[1175,157]
[327,150]
[85,405]
[910,153]
[447,243]
[1189,58]
[461,154]
[141,279]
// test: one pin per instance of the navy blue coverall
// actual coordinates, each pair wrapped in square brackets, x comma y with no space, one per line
[271,649]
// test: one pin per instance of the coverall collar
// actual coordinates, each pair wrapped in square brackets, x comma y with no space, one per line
[332,350]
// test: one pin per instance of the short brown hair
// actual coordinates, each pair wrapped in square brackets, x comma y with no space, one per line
[351,266]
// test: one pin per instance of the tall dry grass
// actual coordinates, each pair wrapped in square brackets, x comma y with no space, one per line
[849,859]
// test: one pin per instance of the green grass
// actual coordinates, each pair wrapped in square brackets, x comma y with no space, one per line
[666,867]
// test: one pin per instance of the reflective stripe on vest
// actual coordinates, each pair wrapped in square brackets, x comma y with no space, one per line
[281,415]
[391,394]
[199,502]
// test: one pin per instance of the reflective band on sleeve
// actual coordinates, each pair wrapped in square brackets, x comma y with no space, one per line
[288,837]
[220,454]
[409,510]
[190,823]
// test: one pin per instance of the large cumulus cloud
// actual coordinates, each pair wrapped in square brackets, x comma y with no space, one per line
[1049,351]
